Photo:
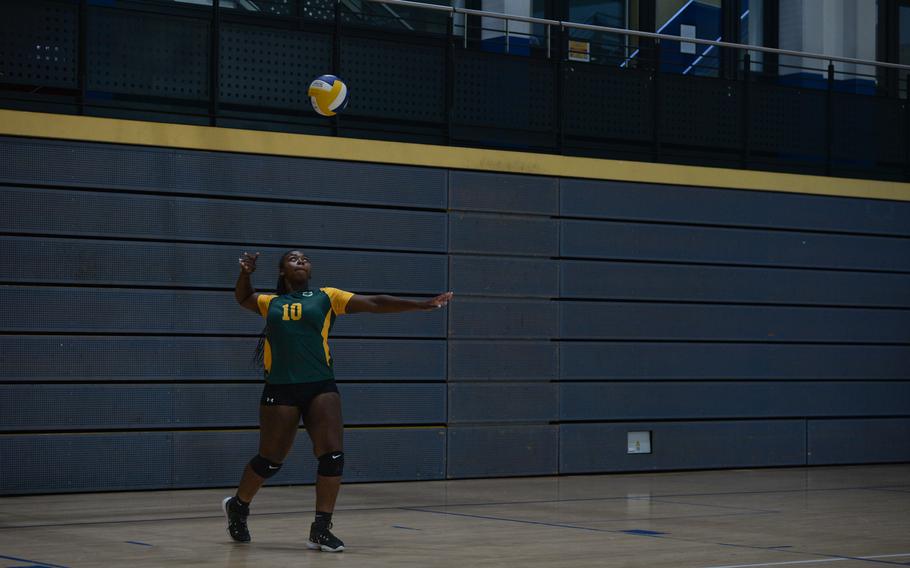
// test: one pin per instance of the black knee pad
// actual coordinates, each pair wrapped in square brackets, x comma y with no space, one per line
[331,464]
[263,467]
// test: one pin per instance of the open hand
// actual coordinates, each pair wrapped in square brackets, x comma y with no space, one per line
[439,301]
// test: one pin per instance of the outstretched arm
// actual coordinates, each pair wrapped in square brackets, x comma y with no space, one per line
[243,290]
[383,304]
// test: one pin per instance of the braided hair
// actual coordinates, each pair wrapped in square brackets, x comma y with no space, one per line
[280,288]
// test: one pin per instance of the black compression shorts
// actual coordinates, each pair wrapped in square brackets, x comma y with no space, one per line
[295,394]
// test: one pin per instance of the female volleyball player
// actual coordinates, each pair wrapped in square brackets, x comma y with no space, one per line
[300,383]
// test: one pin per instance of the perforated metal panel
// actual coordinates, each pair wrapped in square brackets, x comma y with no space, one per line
[502,234]
[647,202]
[502,318]
[319,10]
[700,112]
[495,451]
[789,123]
[737,399]
[729,361]
[394,80]
[112,215]
[502,402]
[874,440]
[585,448]
[148,54]
[660,321]
[157,311]
[601,102]
[631,241]
[504,92]
[867,130]
[502,360]
[640,281]
[76,164]
[482,191]
[270,67]
[497,276]
[38,44]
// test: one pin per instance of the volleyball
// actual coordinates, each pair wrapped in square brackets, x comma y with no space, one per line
[328,94]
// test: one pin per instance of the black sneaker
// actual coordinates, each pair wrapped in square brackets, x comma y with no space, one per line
[236,514]
[321,538]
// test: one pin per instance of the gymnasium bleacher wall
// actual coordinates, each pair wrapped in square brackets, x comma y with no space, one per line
[741,328]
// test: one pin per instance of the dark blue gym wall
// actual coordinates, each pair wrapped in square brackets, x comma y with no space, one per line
[742,328]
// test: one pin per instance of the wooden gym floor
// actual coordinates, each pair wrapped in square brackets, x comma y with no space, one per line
[841,516]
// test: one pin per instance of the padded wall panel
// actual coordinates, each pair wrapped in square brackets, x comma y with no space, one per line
[497,276]
[630,201]
[156,311]
[739,399]
[502,402]
[502,318]
[639,281]
[126,407]
[34,358]
[183,218]
[148,54]
[497,451]
[75,164]
[730,361]
[63,463]
[175,264]
[483,191]
[502,360]
[635,241]
[650,321]
[502,234]
[590,448]
[872,440]
[150,460]
[205,459]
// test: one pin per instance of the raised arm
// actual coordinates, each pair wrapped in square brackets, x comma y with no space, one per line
[383,304]
[243,291]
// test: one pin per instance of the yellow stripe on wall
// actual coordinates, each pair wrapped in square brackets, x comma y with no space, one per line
[93,129]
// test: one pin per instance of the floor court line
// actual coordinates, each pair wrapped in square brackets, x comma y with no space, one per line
[818,561]
[35,563]
[667,536]
[893,488]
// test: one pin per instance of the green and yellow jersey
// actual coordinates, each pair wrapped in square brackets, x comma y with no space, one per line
[297,336]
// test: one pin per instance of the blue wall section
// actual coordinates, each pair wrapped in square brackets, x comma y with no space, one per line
[741,328]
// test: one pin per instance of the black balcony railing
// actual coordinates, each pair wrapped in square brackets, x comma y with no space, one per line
[460,78]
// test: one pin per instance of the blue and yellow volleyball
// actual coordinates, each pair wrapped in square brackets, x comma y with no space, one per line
[328,94]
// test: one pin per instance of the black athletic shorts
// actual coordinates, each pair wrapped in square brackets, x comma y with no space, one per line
[295,394]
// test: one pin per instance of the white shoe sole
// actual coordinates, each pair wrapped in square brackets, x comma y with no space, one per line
[313,546]
[228,519]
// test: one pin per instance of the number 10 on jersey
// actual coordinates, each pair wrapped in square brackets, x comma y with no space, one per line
[294,313]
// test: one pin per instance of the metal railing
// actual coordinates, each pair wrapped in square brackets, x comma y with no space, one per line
[630,102]
[636,33]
